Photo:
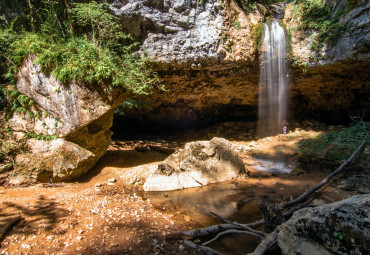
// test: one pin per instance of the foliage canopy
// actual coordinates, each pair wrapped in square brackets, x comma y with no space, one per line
[89,47]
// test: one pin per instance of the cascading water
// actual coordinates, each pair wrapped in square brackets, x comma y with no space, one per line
[273,81]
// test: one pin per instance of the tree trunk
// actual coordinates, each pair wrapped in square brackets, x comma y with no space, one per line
[70,19]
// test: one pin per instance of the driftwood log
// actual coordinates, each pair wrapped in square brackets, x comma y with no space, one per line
[274,216]
[8,225]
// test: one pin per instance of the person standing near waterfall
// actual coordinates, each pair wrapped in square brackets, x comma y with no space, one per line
[285,126]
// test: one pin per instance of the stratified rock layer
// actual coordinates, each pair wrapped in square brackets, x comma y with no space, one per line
[197,164]
[338,228]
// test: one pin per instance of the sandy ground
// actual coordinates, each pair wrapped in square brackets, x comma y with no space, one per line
[107,212]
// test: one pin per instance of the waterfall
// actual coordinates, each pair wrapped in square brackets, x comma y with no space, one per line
[273,81]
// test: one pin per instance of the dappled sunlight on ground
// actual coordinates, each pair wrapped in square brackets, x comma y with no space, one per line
[107,211]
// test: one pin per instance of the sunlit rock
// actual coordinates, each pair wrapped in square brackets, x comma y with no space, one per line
[197,164]
[79,115]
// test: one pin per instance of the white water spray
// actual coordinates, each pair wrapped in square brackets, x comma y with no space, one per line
[273,81]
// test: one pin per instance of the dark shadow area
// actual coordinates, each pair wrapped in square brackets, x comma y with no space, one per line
[175,119]
[44,214]
[122,159]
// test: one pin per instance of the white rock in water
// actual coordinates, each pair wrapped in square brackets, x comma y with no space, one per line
[199,163]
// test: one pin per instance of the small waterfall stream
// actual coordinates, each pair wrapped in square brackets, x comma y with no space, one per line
[273,81]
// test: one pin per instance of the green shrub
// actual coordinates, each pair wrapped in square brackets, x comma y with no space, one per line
[130,105]
[336,145]
[316,16]
[248,5]
[19,103]
[41,136]
[98,56]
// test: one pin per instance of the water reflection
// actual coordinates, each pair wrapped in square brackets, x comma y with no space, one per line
[203,199]
[272,167]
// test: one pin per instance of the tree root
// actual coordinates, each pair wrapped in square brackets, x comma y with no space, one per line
[232,231]
[201,248]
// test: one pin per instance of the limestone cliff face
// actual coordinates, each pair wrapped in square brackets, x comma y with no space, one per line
[207,57]
[175,33]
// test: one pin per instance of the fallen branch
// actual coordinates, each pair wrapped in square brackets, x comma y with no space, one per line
[205,250]
[324,181]
[289,213]
[263,234]
[8,225]
[232,231]
[214,229]
[266,243]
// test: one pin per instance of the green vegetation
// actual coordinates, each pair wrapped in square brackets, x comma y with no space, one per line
[88,47]
[338,235]
[20,103]
[226,42]
[249,5]
[9,146]
[316,17]
[236,24]
[336,145]
[41,137]
[130,105]
[257,32]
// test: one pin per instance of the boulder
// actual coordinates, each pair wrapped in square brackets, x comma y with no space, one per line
[338,228]
[63,108]
[196,164]
[51,161]
[80,116]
